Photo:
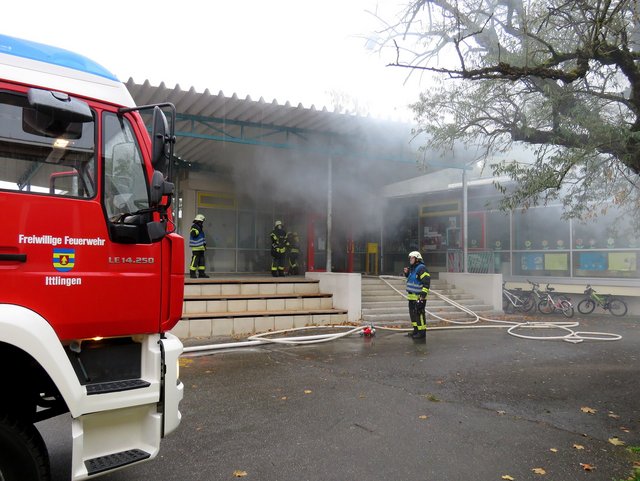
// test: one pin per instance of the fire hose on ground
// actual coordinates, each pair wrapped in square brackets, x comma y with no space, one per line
[271,337]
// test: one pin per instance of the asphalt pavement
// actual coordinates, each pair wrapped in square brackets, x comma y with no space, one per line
[466,405]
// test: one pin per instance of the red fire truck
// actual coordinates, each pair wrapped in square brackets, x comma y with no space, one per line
[91,271]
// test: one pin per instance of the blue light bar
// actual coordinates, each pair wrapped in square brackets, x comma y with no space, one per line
[52,55]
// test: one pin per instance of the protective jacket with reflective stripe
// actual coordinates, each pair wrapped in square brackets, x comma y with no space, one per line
[278,241]
[196,238]
[418,281]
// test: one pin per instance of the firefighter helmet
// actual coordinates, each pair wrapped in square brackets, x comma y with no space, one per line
[199,218]
[415,254]
[278,222]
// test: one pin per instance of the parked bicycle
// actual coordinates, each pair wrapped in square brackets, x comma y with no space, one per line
[535,293]
[551,303]
[614,305]
[515,300]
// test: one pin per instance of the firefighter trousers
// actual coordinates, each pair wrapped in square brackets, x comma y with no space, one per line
[417,315]
[197,261]
[277,265]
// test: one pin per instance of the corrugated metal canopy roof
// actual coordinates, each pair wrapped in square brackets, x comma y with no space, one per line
[246,109]
[204,117]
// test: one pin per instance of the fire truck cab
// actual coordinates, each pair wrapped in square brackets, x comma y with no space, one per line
[92,274]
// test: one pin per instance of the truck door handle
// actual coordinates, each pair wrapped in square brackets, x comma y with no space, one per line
[13,257]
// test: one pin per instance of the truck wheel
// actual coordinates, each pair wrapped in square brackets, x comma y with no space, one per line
[23,454]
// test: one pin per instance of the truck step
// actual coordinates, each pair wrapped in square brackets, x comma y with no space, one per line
[116,386]
[115,460]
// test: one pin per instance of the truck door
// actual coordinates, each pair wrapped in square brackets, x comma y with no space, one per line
[133,263]
[59,193]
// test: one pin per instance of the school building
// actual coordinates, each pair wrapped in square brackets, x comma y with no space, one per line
[351,188]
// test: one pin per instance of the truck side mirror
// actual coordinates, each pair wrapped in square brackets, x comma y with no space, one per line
[160,140]
[55,114]
[159,188]
[156,230]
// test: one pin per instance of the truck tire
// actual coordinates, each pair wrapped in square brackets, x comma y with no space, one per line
[23,454]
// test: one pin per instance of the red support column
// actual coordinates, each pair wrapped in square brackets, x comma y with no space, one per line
[350,249]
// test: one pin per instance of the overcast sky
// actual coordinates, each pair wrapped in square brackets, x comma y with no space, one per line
[296,50]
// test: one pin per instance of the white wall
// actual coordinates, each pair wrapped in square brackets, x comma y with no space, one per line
[346,289]
[487,287]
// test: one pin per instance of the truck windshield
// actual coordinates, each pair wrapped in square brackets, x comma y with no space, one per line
[125,184]
[43,165]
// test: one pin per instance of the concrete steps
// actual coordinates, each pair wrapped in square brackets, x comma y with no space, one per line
[245,306]
[382,304]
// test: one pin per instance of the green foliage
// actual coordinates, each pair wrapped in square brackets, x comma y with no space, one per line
[634,477]
[561,77]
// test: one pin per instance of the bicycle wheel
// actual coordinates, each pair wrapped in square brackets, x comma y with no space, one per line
[586,306]
[506,305]
[617,307]
[528,303]
[545,307]
[567,308]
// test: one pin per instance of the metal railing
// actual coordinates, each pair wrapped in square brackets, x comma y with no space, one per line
[478,261]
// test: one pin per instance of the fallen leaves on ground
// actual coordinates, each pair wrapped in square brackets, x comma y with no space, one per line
[587,467]
[501,413]
[588,410]
[184,362]
[539,471]
[626,430]
[283,398]
[508,478]
[616,442]
[423,417]
[613,415]
[239,474]
[308,391]
[553,450]
[578,446]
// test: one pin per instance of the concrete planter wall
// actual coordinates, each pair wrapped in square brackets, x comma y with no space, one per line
[487,287]
[346,289]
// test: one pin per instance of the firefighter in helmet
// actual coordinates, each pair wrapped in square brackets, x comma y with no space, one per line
[198,244]
[418,283]
[293,247]
[278,249]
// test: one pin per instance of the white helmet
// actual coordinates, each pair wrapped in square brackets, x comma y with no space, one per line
[278,222]
[415,254]
[199,218]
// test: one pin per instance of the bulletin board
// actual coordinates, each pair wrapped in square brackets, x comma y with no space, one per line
[532,262]
[622,261]
[556,262]
[592,261]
